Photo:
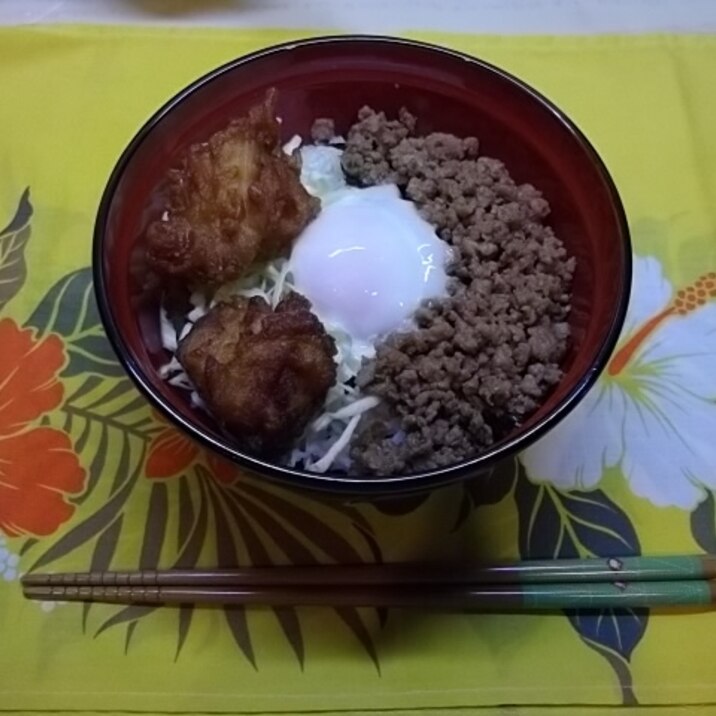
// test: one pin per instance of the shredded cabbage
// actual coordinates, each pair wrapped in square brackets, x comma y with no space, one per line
[167,331]
[321,171]
[292,145]
[338,446]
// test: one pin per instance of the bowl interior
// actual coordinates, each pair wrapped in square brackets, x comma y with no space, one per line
[334,79]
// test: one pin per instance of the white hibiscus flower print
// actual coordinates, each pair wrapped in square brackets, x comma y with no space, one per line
[8,563]
[9,572]
[653,411]
[49,607]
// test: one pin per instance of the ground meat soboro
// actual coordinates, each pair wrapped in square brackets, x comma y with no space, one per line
[323,130]
[483,358]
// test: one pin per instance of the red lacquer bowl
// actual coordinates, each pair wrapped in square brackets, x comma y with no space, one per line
[334,77]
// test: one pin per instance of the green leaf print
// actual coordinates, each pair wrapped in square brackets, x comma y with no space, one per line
[69,309]
[703,524]
[557,525]
[13,240]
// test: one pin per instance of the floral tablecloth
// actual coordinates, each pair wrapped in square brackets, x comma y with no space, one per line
[91,478]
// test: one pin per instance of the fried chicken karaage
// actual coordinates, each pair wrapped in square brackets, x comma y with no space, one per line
[263,373]
[234,201]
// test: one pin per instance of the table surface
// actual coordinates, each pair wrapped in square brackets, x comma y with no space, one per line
[599,500]
[474,16]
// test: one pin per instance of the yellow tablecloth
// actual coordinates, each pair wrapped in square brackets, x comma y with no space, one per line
[89,477]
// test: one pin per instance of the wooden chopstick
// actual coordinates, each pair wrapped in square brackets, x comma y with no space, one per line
[623,569]
[528,597]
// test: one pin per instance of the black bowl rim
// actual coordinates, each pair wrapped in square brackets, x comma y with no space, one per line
[356,485]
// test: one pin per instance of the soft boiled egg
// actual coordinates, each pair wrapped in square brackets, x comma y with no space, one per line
[368,261]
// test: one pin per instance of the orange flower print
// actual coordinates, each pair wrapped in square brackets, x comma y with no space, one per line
[170,453]
[38,467]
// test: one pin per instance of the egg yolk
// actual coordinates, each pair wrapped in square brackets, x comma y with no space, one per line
[368,261]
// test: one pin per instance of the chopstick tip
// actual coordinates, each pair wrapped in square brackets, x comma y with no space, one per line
[40,592]
[32,579]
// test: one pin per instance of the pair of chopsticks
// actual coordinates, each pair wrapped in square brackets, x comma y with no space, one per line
[627,582]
